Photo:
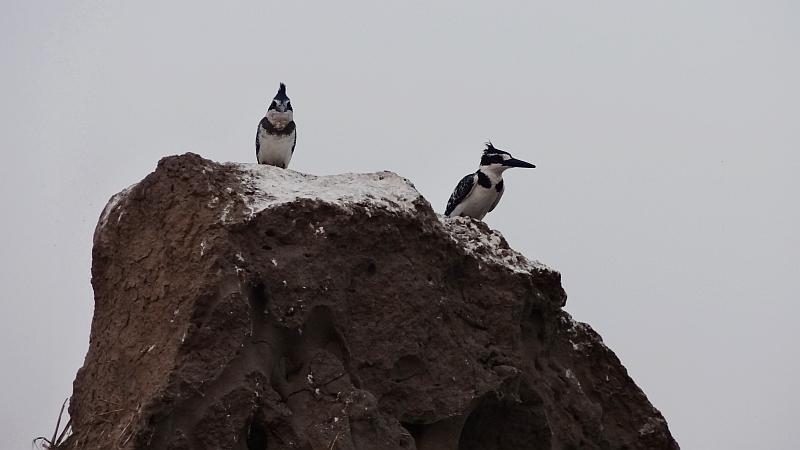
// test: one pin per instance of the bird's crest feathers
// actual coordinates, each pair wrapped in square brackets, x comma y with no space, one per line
[281,95]
[492,150]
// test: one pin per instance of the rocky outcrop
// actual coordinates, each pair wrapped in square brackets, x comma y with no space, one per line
[249,307]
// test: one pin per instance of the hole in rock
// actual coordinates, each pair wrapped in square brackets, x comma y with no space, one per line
[406,367]
[507,424]
[416,430]
[258,298]
[256,435]
[443,434]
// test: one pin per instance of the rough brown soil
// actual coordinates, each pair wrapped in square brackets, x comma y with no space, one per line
[317,325]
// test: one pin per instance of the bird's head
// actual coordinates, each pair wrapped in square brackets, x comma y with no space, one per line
[280,110]
[496,160]
[281,102]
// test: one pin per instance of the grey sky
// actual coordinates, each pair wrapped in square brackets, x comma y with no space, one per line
[666,136]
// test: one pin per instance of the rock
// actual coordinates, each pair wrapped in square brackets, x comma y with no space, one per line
[250,307]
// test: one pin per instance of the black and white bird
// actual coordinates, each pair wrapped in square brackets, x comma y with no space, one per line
[479,192]
[277,133]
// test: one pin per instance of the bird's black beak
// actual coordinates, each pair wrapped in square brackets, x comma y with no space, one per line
[513,162]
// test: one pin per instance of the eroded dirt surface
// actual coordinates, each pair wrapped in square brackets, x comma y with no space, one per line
[313,325]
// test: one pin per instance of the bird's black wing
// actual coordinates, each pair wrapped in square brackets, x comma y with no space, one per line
[294,144]
[464,187]
[261,124]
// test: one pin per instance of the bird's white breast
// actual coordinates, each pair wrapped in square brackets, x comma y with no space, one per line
[477,203]
[275,150]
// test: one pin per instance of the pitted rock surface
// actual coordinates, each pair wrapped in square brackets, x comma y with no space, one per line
[247,307]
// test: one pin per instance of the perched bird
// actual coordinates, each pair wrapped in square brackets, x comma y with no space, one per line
[277,133]
[479,192]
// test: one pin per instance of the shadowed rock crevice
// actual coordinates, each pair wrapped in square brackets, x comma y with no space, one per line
[249,307]
[507,422]
[257,433]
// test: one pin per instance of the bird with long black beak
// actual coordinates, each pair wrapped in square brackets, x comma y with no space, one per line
[478,193]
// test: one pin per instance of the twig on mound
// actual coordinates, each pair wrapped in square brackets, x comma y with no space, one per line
[58,438]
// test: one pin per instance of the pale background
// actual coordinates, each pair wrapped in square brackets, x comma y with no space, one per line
[666,135]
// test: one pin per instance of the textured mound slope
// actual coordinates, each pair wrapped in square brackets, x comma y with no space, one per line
[249,307]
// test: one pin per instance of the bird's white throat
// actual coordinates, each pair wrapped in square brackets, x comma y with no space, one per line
[279,119]
[494,172]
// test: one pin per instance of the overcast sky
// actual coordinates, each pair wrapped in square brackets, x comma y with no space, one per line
[666,135]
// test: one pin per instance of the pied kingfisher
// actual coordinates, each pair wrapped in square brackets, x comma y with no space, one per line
[277,133]
[479,192]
